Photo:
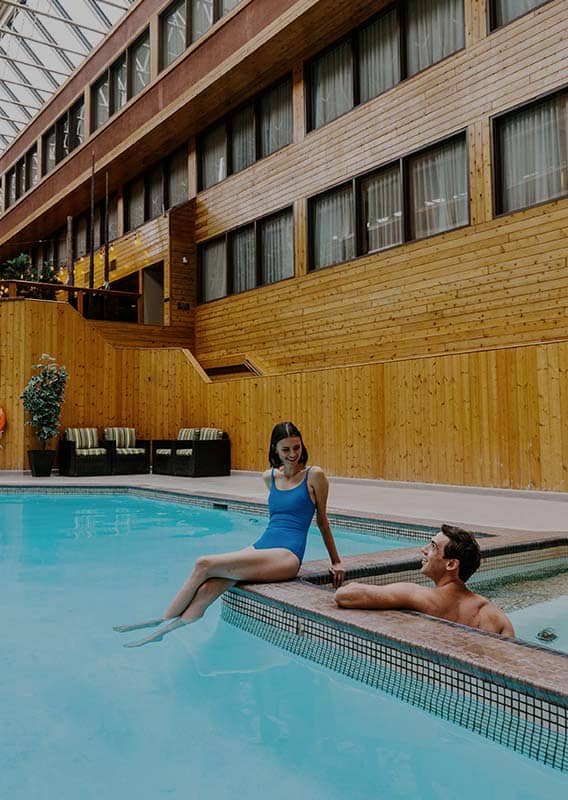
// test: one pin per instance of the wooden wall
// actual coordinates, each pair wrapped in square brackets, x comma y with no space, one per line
[493,418]
[498,282]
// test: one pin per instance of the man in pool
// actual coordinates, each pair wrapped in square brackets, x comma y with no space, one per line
[450,558]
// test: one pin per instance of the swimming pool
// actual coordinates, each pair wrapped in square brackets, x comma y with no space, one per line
[211,710]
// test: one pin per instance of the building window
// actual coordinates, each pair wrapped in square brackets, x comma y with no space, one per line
[48,146]
[331,84]
[32,170]
[139,64]
[213,156]
[154,193]
[127,76]
[276,242]
[379,56]
[505,11]
[332,218]
[202,17]
[176,178]
[381,210]
[81,227]
[100,102]
[256,254]
[76,125]
[21,178]
[438,192]
[275,111]
[134,204]
[532,154]
[372,213]
[10,197]
[173,27]
[213,269]
[118,84]
[435,29]
[254,131]
[371,60]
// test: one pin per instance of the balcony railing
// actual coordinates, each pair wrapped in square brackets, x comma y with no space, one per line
[98,304]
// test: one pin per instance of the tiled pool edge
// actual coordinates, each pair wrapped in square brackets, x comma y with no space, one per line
[528,718]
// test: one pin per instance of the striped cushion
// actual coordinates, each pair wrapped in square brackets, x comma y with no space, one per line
[211,433]
[130,451]
[91,451]
[124,437]
[185,451]
[185,434]
[84,438]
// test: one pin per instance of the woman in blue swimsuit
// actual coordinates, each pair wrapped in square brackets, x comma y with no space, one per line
[295,493]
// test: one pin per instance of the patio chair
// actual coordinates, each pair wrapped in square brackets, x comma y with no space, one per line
[82,453]
[196,453]
[129,455]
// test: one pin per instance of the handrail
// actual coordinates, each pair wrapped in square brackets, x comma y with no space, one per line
[78,292]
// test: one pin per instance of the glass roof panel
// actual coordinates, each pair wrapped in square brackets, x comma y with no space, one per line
[41,43]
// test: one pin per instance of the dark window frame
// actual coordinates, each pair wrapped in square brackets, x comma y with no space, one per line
[493,25]
[400,8]
[226,121]
[406,210]
[229,265]
[497,155]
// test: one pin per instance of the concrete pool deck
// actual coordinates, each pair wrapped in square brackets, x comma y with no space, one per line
[425,503]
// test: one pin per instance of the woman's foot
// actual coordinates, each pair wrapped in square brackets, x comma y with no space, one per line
[151,623]
[157,637]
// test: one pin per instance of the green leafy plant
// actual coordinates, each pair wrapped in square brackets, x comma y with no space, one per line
[20,268]
[43,398]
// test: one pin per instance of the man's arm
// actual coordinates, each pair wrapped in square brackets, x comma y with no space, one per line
[392,595]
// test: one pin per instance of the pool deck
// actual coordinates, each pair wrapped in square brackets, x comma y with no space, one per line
[511,516]
[425,503]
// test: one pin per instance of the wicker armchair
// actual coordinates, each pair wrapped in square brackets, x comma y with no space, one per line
[196,453]
[82,453]
[129,455]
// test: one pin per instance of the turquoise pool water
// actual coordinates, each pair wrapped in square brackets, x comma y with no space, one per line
[209,712]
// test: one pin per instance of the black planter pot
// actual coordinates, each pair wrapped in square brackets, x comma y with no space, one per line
[41,462]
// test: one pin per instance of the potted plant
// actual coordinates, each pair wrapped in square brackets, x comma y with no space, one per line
[42,399]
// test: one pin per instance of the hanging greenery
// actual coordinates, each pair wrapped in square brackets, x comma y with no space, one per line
[20,268]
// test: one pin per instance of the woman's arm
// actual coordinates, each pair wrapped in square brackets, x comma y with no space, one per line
[320,487]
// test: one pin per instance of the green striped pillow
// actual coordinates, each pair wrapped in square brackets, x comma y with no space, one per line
[124,437]
[84,438]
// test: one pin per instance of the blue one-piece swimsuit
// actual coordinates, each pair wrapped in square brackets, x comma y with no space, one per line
[291,512]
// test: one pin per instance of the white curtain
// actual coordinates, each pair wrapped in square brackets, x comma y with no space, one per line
[173,32]
[243,150]
[213,157]
[379,56]
[333,227]
[228,5]
[177,177]
[435,28]
[332,84]
[135,203]
[382,210]
[243,260]
[276,118]
[277,247]
[101,103]
[534,154]
[214,270]
[155,191]
[438,189]
[507,10]
[201,17]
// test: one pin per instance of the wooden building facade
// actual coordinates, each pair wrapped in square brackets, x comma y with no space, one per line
[351,215]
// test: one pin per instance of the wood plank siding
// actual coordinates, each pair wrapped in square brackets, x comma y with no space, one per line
[441,360]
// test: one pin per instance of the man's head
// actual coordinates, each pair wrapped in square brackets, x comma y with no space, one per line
[452,549]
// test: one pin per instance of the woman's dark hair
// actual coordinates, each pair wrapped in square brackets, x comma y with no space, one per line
[284,430]
[462,546]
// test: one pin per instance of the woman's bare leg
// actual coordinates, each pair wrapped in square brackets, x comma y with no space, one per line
[207,593]
[277,564]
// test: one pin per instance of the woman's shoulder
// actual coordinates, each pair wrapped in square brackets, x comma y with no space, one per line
[316,473]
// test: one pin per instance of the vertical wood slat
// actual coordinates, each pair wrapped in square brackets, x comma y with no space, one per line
[497,418]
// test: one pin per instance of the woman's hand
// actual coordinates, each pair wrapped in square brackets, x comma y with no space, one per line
[337,574]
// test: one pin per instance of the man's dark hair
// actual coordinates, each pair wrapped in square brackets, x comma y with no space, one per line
[462,546]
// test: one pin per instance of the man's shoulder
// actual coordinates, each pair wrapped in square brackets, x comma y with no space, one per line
[491,618]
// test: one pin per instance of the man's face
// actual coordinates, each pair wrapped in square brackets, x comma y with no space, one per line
[434,564]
